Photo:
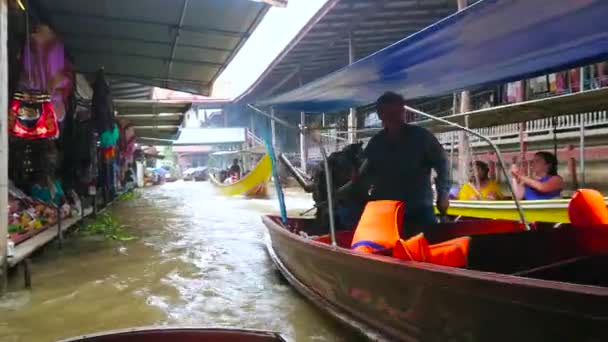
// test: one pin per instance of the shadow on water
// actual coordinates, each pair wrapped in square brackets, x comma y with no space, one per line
[199,260]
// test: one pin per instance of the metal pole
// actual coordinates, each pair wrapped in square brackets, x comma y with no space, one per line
[453,140]
[582,138]
[3,144]
[581,149]
[303,147]
[492,145]
[323,120]
[330,199]
[273,131]
[328,180]
[352,115]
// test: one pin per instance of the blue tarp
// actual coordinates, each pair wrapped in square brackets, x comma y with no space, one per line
[491,42]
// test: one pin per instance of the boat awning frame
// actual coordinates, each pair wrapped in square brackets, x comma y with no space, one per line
[182,45]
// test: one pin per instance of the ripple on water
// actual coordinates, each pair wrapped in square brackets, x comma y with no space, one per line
[200,260]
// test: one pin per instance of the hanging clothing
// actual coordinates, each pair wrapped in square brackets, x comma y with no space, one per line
[46,69]
[102,107]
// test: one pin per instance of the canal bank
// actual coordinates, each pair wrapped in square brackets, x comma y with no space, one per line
[199,260]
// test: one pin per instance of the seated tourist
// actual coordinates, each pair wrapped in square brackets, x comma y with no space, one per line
[233,178]
[481,186]
[544,185]
[235,168]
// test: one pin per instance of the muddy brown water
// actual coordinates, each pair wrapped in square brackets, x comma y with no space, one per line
[200,260]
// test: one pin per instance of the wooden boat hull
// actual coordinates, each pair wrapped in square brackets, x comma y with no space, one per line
[254,184]
[554,211]
[394,300]
[181,335]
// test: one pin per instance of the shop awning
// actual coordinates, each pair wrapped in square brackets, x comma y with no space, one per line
[181,44]
[210,136]
[492,41]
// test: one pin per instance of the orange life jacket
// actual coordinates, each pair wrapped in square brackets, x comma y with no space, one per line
[587,208]
[413,249]
[449,253]
[379,226]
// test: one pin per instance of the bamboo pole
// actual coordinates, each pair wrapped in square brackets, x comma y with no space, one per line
[3,143]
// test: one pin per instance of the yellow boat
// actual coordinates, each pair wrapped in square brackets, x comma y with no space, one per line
[253,184]
[555,211]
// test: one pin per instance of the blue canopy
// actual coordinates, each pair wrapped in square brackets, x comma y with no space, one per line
[492,41]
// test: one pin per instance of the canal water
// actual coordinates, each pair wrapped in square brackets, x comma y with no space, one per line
[199,260]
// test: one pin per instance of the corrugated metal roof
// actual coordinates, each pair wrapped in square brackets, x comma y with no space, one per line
[152,118]
[182,45]
[130,91]
[210,136]
[321,47]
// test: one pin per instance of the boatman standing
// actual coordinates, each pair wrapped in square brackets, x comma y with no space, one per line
[399,163]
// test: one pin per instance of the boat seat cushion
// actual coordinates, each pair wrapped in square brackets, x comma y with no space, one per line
[451,253]
[512,252]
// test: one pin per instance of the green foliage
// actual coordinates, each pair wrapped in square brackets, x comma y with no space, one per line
[129,195]
[109,227]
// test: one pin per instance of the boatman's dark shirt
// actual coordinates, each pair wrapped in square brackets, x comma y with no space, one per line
[401,170]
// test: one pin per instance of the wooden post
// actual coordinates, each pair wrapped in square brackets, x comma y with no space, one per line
[463,139]
[464,146]
[3,143]
[303,147]
[59,227]
[252,124]
[27,273]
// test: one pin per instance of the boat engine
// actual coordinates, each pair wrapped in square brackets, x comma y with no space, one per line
[349,200]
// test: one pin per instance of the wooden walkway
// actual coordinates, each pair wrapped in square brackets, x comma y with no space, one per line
[28,247]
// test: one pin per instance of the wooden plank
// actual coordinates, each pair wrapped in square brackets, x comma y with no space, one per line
[27,248]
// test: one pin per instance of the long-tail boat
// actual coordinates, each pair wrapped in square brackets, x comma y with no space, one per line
[252,184]
[521,281]
[161,334]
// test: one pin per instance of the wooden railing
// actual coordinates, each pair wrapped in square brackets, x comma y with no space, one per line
[541,129]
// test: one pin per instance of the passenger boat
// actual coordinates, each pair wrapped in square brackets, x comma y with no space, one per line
[520,281]
[555,211]
[252,184]
[181,335]
[540,285]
